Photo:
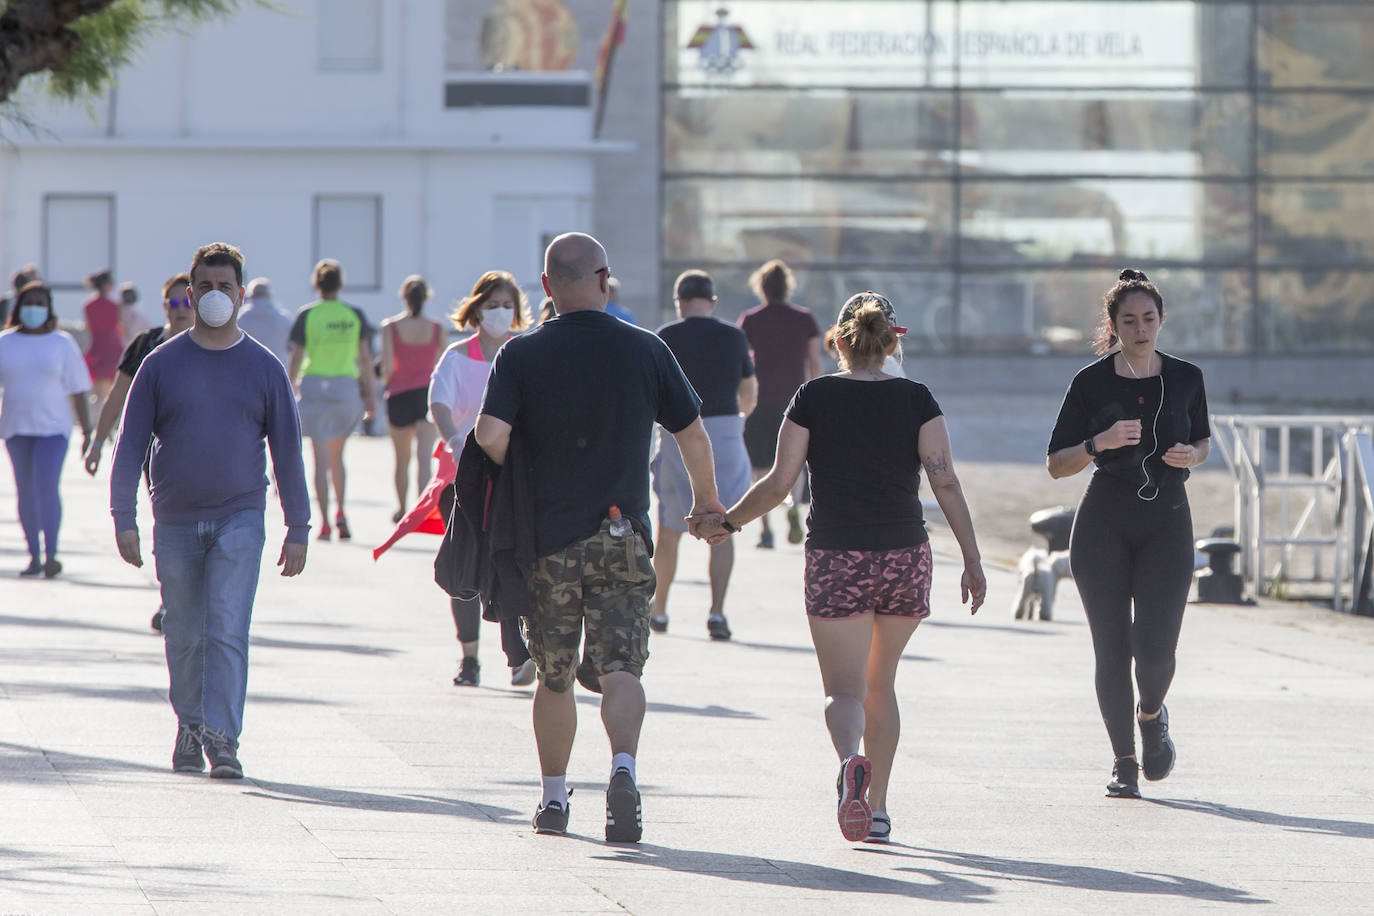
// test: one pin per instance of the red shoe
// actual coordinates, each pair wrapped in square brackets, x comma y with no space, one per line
[342,524]
[856,817]
[325,532]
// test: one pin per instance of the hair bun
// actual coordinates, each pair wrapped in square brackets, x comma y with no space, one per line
[1130,273]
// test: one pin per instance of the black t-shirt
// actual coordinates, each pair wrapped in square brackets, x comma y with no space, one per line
[139,348]
[715,357]
[585,390]
[1098,397]
[864,467]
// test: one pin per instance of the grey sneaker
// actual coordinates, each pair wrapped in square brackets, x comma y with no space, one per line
[222,751]
[524,674]
[552,818]
[1157,754]
[623,811]
[186,754]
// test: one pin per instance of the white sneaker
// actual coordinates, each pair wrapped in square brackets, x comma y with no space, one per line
[523,675]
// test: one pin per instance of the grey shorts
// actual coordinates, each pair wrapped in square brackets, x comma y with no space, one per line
[674,489]
[330,407]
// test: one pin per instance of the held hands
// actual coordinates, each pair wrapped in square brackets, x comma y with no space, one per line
[705,523]
[292,559]
[973,584]
[129,551]
[1120,434]
[1180,455]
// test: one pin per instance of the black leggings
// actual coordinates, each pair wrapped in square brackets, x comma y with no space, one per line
[1125,548]
[467,617]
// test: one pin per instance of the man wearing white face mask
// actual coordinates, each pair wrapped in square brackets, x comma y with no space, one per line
[203,401]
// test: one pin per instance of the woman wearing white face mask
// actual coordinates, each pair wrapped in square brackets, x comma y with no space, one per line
[410,347]
[496,308]
[44,379]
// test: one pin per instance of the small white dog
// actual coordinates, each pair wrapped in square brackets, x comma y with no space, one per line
[1040,572]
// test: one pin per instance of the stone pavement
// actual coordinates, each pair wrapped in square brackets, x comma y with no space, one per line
[375,786]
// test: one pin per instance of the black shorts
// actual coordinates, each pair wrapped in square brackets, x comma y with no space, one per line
[761,435]
[407,407]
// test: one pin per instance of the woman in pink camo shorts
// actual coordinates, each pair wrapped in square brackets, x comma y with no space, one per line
[864,436]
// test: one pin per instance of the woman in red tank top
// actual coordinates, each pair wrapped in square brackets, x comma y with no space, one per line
[411,345]
[106,336]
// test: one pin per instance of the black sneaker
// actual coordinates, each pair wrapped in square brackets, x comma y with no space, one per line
[222,751]
[1157,753]
[33,569]
[186,755]
[717,627]
[51,569]
[1125,779]
[623,812]
[658,623]
[552,818]
[469,673]
[765,541]
[156,622]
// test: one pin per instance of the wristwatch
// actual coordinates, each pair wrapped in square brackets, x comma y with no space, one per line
[725,523]
[1088,444]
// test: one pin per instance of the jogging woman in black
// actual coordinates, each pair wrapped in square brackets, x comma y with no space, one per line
[1141,416]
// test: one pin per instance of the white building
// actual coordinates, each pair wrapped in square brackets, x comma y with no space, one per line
[353,129]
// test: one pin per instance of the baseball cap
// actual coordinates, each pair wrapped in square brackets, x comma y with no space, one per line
[858,300]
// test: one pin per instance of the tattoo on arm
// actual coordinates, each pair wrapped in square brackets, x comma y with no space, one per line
[936,463]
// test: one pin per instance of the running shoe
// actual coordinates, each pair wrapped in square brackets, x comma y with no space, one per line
[765,540]
[156,622]
[222,751]
[881,831]
[33,569]
[187,756]
[658,623]
[552,818]
[623,810]
[469,673]
[342,524]
[717,627]
[524,674]
[324,532]
[1157,754]
[51,569]
[856,818]
[1125,779]
[795,535]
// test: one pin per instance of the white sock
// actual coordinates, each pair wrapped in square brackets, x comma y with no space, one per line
[623,761]
[555,790]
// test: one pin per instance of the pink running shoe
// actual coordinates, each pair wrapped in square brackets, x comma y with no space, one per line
[856,817]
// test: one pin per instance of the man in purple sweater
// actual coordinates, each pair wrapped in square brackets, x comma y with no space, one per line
[205,401]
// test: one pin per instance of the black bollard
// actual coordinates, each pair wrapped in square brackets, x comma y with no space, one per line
[1219,583]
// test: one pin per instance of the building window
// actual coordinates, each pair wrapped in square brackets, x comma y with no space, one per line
[349,35]
[78,237]
[348,229]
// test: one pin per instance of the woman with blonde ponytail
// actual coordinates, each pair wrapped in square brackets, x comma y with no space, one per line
[864,435]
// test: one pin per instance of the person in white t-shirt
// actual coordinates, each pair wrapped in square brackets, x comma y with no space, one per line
[495,309]
[44,379]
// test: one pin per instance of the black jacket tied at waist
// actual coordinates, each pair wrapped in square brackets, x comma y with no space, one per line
[488,547]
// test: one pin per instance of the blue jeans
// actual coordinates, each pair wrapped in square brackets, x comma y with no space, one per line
[37,464]
[209,576]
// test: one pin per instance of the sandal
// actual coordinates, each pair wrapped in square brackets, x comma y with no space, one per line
[881,831]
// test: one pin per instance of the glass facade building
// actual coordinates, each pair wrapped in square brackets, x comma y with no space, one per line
[991,164]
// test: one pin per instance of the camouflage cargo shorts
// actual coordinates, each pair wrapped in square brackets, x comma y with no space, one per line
[606,582]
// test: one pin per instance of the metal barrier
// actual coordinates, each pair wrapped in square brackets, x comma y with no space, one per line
[1326,463]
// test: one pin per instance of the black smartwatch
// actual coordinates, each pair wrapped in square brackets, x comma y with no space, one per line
[1088,444]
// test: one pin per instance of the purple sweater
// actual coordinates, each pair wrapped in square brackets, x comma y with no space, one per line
[206,414]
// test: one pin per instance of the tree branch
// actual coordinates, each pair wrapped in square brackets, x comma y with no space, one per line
[36,35]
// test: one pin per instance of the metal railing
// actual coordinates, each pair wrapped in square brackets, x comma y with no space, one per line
[1304,511]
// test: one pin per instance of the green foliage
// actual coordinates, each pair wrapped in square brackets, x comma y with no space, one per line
[113,37]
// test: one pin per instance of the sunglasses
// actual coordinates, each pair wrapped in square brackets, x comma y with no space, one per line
[178,303]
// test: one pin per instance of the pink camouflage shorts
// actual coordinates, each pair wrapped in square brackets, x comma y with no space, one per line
[847,583]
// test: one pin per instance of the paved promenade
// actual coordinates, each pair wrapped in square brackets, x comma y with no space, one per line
[375,786]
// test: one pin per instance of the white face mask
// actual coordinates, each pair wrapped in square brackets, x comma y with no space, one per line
[497,321]
[33,317]
[215,308]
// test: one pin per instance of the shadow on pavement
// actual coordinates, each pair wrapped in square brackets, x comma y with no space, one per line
[9,620]
[811,650]
[373,801]
[943,886]
[1082,877]
[69,764]
[1355,829]
[712,712]
[270,642]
